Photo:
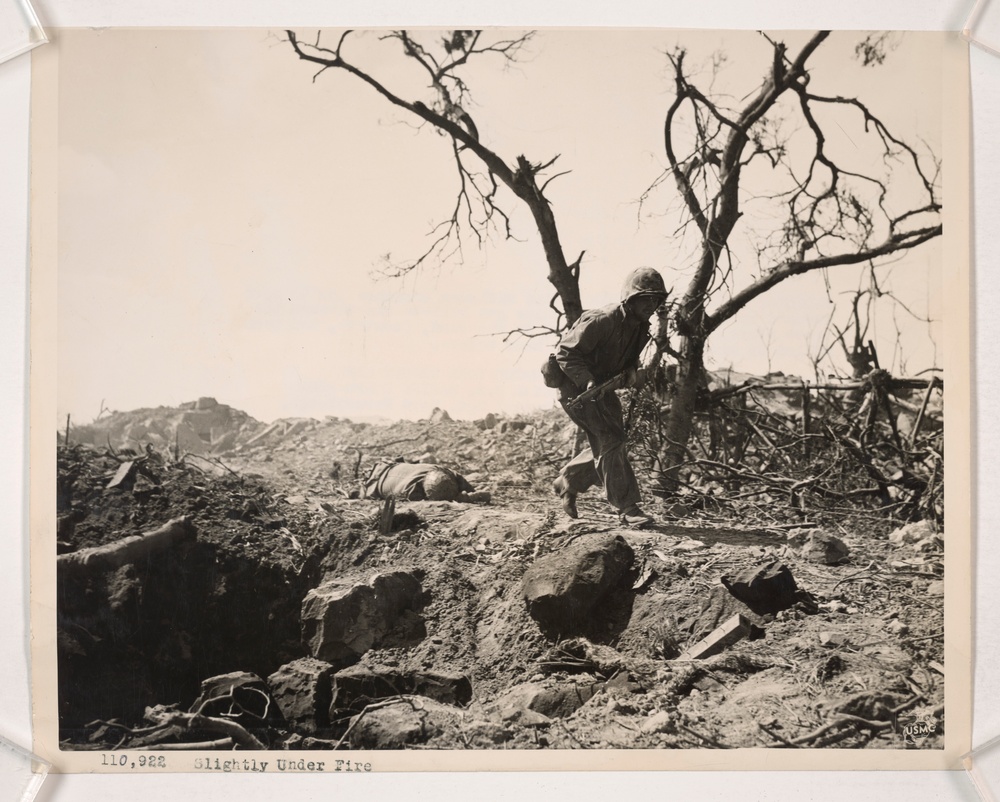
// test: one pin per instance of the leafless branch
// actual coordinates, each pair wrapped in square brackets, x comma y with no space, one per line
[893,244]
[476,208]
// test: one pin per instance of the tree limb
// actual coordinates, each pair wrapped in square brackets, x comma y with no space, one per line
[896,242]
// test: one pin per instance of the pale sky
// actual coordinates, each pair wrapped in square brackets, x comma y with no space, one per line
[220,216]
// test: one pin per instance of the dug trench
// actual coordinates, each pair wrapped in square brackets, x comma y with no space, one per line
[291,609]
[150,630]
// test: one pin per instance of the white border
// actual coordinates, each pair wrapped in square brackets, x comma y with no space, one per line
[856,14]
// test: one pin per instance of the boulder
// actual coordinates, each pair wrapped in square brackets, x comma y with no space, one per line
[409,721]
[206,402]
[550,699]
[766,590]
[562,588]
[239,696]
[342,620]
[302,690]
[817,546]
[440,416]
[357,686]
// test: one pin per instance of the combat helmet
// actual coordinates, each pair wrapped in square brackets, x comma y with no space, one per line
[643,281]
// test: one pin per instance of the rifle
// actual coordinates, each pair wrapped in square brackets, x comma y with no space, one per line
[615,382]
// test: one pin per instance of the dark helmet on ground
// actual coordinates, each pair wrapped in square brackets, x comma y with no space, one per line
[644,281]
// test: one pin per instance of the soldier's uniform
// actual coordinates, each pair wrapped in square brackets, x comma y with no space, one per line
[601,344]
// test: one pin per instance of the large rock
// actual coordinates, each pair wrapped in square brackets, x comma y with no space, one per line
[239,696]
[302,690]
[357,686]
[818,546]
[412,720]
[342,620]
[550,699]
[562,588]
[765,590]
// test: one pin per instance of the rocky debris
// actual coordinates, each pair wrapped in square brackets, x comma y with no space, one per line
[405,722]
[355,687]
[912,533]
[124,472]
[280,430]
[580,655]
[241,697]
[872,706]
[516,425]
[548,698]
[562,588]
[658,721]
[440,416]
[672,629]
[732,631]
[818,546]
[341,619]
[897,627]
[489,422]
[188,441]
[302,691]
[934,543]
[274,518]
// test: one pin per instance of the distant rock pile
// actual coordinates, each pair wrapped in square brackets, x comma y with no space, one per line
[199,427]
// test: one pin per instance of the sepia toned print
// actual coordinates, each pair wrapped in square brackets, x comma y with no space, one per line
[546,399]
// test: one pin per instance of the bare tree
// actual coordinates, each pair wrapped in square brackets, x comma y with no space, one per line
[828,212]
[480,170]
[828,215]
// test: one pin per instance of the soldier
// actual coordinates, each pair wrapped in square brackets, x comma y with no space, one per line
[602,344]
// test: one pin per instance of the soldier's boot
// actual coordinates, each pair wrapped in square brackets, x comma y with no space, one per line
[634,518]
[567,497]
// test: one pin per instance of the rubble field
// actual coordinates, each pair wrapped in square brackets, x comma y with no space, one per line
[219,587]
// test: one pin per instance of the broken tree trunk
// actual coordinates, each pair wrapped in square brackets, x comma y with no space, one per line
[806,411]
[128,549]
[386,515]
[920,415]
[892,384]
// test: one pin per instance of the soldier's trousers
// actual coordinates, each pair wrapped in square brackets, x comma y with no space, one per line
[606,462]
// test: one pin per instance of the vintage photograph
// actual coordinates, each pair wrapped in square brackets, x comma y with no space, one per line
[500,391]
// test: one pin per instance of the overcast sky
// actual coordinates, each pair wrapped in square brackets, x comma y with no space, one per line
[221,215]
